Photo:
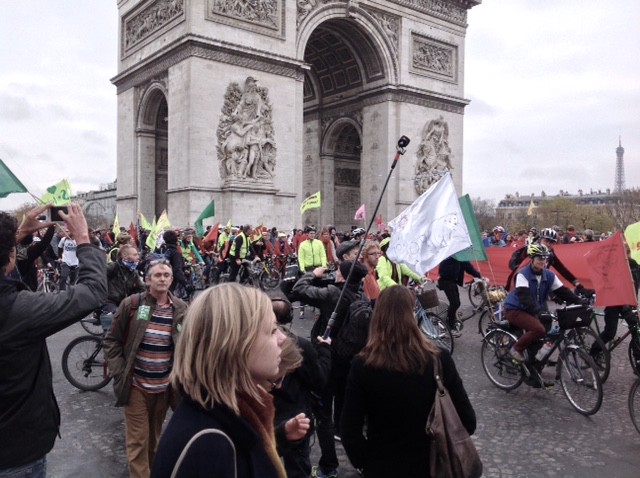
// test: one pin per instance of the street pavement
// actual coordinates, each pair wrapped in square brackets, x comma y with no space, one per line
[526,433]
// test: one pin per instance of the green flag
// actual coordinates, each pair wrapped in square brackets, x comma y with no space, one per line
[476,252]
[8,182]
[144,224]
[58,194]
[312,202]
[208,212]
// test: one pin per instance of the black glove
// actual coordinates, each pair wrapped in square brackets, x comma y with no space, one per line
[585,301]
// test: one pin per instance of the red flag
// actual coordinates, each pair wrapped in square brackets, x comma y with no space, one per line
[134,233]
[609,269]
[212,235]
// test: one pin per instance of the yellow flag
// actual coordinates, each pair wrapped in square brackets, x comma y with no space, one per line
[632,236]
[144,224]
[59,194]
[116,226]
[160,226]
[312,202]
[532,206]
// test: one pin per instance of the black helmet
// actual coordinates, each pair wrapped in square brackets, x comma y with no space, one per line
[549,234]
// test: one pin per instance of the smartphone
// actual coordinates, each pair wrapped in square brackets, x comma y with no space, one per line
[54,213]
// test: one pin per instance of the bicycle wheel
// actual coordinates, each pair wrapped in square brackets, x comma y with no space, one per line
[92,324]
[83,364]
[497,363]
[580,380]
[633,352]
[475,294]
[436,329]
[484,322]
[634,404]
[270,280]
[586,338]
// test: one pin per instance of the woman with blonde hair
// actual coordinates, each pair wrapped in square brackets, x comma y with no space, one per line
[392,387]
[229,350]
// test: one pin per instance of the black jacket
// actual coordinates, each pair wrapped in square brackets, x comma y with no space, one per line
[29,414]
[122,282]
[210,455]
[296,395]
[177,265]
[26,265]
[453,270]
[395,407]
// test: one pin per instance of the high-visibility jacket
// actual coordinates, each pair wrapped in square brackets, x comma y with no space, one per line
[384,270]
[311,254]
[244,247]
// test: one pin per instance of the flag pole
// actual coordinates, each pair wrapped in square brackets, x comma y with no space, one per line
[400,150]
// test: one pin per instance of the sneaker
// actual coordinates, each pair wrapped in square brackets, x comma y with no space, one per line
[515,355]
[316,472]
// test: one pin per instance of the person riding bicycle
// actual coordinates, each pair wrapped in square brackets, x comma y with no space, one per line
[389,273]
[497,238]
[524,305]
[548,237]
[189,248]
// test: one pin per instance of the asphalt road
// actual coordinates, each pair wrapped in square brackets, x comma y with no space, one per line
[526,433]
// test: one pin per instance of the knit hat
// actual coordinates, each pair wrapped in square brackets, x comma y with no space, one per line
[359,271]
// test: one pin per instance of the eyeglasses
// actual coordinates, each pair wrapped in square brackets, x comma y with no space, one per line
[378,253]
[159,262]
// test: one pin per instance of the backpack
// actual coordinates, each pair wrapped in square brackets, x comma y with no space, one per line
[517,257]
[354,330]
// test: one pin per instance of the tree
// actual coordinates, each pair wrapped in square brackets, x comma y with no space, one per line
[485,211]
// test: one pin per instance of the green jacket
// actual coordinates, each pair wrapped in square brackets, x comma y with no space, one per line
[311,254]
[384,271]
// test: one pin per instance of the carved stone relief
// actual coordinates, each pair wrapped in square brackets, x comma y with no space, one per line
[305,7]
[445,9]
[140,90]
[434,154]
[433,58]
[246,145]
[327,120]
[391,26]
[263,16]
[144,23]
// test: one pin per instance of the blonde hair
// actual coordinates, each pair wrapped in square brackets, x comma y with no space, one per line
[211,356]
[369,245]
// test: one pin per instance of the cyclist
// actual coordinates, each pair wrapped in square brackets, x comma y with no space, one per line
[548,238]
[524,304]
[496,240]
[189,249]
[389,273]
[239,251]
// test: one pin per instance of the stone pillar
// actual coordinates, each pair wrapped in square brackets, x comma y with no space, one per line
[327,187]
[146,183]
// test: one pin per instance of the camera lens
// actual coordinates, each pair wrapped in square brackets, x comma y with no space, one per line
[403,141]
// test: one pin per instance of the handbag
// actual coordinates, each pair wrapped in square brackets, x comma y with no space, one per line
[452,453]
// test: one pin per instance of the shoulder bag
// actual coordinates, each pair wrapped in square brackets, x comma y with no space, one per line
[452,453]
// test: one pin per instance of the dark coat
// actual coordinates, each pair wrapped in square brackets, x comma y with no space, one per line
[213,451]
[29,414]
[395,407]
[122,282]
[453,270]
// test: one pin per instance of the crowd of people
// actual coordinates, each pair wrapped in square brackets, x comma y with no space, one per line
[499,237]
[247,394]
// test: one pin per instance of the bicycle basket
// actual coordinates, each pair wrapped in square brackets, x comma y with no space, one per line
[428,298]
[573,316]
[496,295]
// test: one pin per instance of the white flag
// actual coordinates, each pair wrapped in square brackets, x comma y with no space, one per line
[430,230]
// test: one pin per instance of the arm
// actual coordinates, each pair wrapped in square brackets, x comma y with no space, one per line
[452,381]
[408,272]
[302,256]
[37,249]
[323,255]
[177,266]
[469,269]
[313,295]
[115,338]
[562,270]
[353,416]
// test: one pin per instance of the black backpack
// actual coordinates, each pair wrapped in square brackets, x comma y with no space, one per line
[519,255]
[354,331]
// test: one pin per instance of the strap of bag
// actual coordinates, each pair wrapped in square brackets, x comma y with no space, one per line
[437,375]
[208,431]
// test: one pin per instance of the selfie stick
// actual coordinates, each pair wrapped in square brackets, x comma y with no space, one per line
[400,150]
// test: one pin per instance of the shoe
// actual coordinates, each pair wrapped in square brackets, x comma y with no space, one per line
[337,438]
[317,472]
[515,355]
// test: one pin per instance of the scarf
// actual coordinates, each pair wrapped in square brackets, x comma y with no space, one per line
[261,419]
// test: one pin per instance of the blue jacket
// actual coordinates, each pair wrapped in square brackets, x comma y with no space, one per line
[539,293]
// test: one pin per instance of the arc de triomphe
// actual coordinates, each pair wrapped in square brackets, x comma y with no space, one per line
[257,105]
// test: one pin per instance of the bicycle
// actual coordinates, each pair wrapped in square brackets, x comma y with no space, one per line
[83,364]
[574,367]
[49,279]
[259,275]
[489,301]
[634,404]
[92,324]
[433,326]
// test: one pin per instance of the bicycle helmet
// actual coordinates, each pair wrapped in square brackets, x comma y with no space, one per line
[357,232]
[549,234]
[535,250]
[533,230]
[499,229]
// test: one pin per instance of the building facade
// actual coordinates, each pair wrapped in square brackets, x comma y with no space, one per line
[257,105]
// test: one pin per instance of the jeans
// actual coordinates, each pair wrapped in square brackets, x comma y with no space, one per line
[323,412]
[450,289]
[534,329]
[67,271]
[35,469]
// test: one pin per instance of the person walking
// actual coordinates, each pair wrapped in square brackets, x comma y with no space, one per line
[140,352]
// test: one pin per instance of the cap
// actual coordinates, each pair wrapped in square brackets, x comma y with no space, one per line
[345,247]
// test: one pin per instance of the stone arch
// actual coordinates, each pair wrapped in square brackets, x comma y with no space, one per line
[152,138]
[364,24]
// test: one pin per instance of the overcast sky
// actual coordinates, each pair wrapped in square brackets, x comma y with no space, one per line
[552,84]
